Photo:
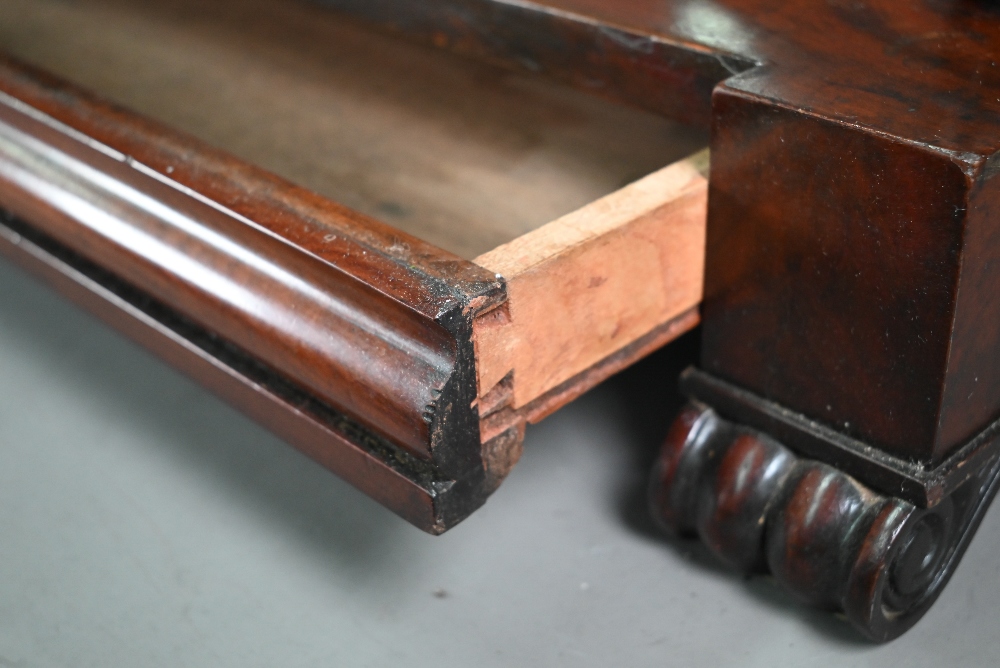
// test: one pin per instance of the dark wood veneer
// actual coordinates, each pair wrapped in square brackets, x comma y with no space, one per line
[853,194]
[360,316]
[352,339]
[374,466]
[850,261]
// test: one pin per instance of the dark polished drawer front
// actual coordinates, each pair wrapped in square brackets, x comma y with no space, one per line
[231,225]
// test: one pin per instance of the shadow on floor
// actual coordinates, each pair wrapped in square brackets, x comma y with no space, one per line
[650,399]
[210,442]
[296,496]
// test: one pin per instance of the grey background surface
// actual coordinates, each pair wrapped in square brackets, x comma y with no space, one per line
[145,523]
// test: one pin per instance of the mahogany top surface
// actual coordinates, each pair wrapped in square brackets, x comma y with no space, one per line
[925,70]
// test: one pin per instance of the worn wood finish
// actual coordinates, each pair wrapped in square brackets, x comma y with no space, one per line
[921,484]
[662,56]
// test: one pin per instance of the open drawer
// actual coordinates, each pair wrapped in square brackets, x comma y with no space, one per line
[391,256]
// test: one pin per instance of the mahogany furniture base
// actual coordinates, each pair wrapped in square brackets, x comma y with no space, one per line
[759,506]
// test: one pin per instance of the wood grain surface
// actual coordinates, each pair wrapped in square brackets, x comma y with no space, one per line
[853,193]
[273,284]
[594,281]
[249,287]
[464,155]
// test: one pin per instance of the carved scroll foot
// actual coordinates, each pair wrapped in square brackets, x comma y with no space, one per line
[832,541]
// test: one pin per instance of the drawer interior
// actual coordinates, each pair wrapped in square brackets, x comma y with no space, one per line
[593,213]
[462,154]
